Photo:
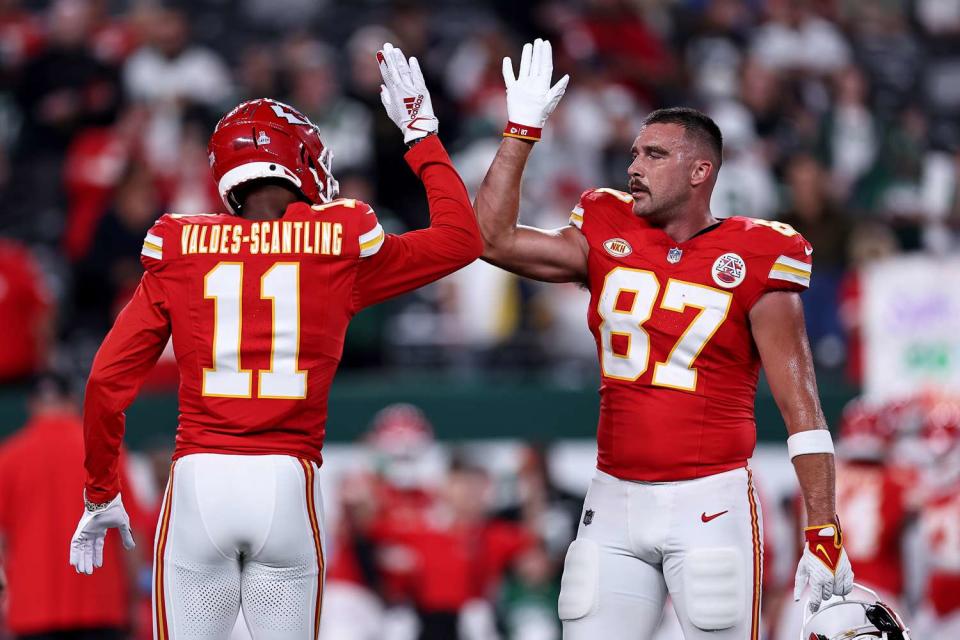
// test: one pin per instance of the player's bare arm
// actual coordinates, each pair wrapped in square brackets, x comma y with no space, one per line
[778,329]
[781,338]
[558,255]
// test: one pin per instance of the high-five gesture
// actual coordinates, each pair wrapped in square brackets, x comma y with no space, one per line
[404,94]
[530,98]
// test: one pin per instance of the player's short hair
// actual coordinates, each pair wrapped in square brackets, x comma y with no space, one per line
[695,124]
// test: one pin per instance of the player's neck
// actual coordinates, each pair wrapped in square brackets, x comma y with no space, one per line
[267,202]
[685,225]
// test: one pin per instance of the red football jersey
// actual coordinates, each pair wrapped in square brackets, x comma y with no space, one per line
[871,505]
[678,363]
[258,311]
[940,526]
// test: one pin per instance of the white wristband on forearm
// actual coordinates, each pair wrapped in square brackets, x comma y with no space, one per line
[812,441]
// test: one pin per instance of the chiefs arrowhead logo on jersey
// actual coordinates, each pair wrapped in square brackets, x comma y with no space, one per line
[618,247]
[729,270]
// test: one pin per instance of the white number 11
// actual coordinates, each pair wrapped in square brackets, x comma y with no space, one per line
[284,380]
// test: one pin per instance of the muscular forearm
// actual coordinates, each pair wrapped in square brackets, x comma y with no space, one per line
[498,200]
[816,475]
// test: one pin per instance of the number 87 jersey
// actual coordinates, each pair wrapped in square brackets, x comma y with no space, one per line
[678,363]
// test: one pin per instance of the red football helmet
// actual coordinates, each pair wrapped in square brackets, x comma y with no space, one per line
[941,428]
[263,139]
[400,429]
[864,434]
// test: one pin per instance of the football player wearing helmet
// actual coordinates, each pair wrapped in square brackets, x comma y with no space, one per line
[684,309]
[257,304]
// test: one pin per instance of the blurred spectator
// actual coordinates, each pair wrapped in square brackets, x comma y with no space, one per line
[170,74]
[93,166]
[851,132]
[872,500]
[940,616]
[745,185]
[714,51]
[345,125]
[257,73]
[527,603]
[813,211]
[41,482]
[382,506]
[868,243]
[26,313]
[794,38]
[614,36]
[21,36]
[111,270]
[461,556]
[61,90]
[888,51]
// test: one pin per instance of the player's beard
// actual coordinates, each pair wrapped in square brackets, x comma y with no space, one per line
[658,211]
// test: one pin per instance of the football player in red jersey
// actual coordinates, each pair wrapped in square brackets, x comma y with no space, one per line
[257,304]
[684,309]
[939,618]
[872,497]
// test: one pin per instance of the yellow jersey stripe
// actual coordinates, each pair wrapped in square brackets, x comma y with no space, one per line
[788,269]
[371,243]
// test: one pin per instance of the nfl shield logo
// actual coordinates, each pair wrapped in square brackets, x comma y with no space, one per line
[674,255]
[587,517]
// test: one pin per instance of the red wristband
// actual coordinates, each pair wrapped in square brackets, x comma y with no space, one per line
[827,546]
[522,131]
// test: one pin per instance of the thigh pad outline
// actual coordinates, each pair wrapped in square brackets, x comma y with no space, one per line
[714,588]
[580,585]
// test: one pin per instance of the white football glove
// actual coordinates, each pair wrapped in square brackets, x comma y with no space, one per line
[86,547]
[530,98]
[404,94]
[824,564]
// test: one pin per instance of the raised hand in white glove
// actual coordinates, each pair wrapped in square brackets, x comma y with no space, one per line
[530,98]
[86,547]
[824,565]
[404,94]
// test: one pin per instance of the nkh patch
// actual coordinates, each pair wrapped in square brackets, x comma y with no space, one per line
[618,247]
[729,270]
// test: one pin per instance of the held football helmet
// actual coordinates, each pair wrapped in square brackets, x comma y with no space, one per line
[858,616]
[266,139]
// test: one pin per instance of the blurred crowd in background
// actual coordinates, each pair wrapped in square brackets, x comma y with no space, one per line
[840,117]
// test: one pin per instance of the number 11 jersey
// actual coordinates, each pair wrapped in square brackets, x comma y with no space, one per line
[678,362]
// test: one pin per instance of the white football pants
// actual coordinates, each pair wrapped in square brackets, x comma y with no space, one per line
[239,531]
[698,540]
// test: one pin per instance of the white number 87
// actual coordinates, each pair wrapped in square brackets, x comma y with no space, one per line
[630,359]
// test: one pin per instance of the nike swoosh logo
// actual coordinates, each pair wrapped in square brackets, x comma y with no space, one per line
[808,250]
[826,557]
[705,518]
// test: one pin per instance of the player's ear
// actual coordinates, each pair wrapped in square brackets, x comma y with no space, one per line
[701,171]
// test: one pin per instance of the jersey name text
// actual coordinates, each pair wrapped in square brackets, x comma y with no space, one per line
[269,237]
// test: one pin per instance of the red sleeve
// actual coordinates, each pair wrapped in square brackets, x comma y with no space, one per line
[785,262]
[406,262]
[126,356]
